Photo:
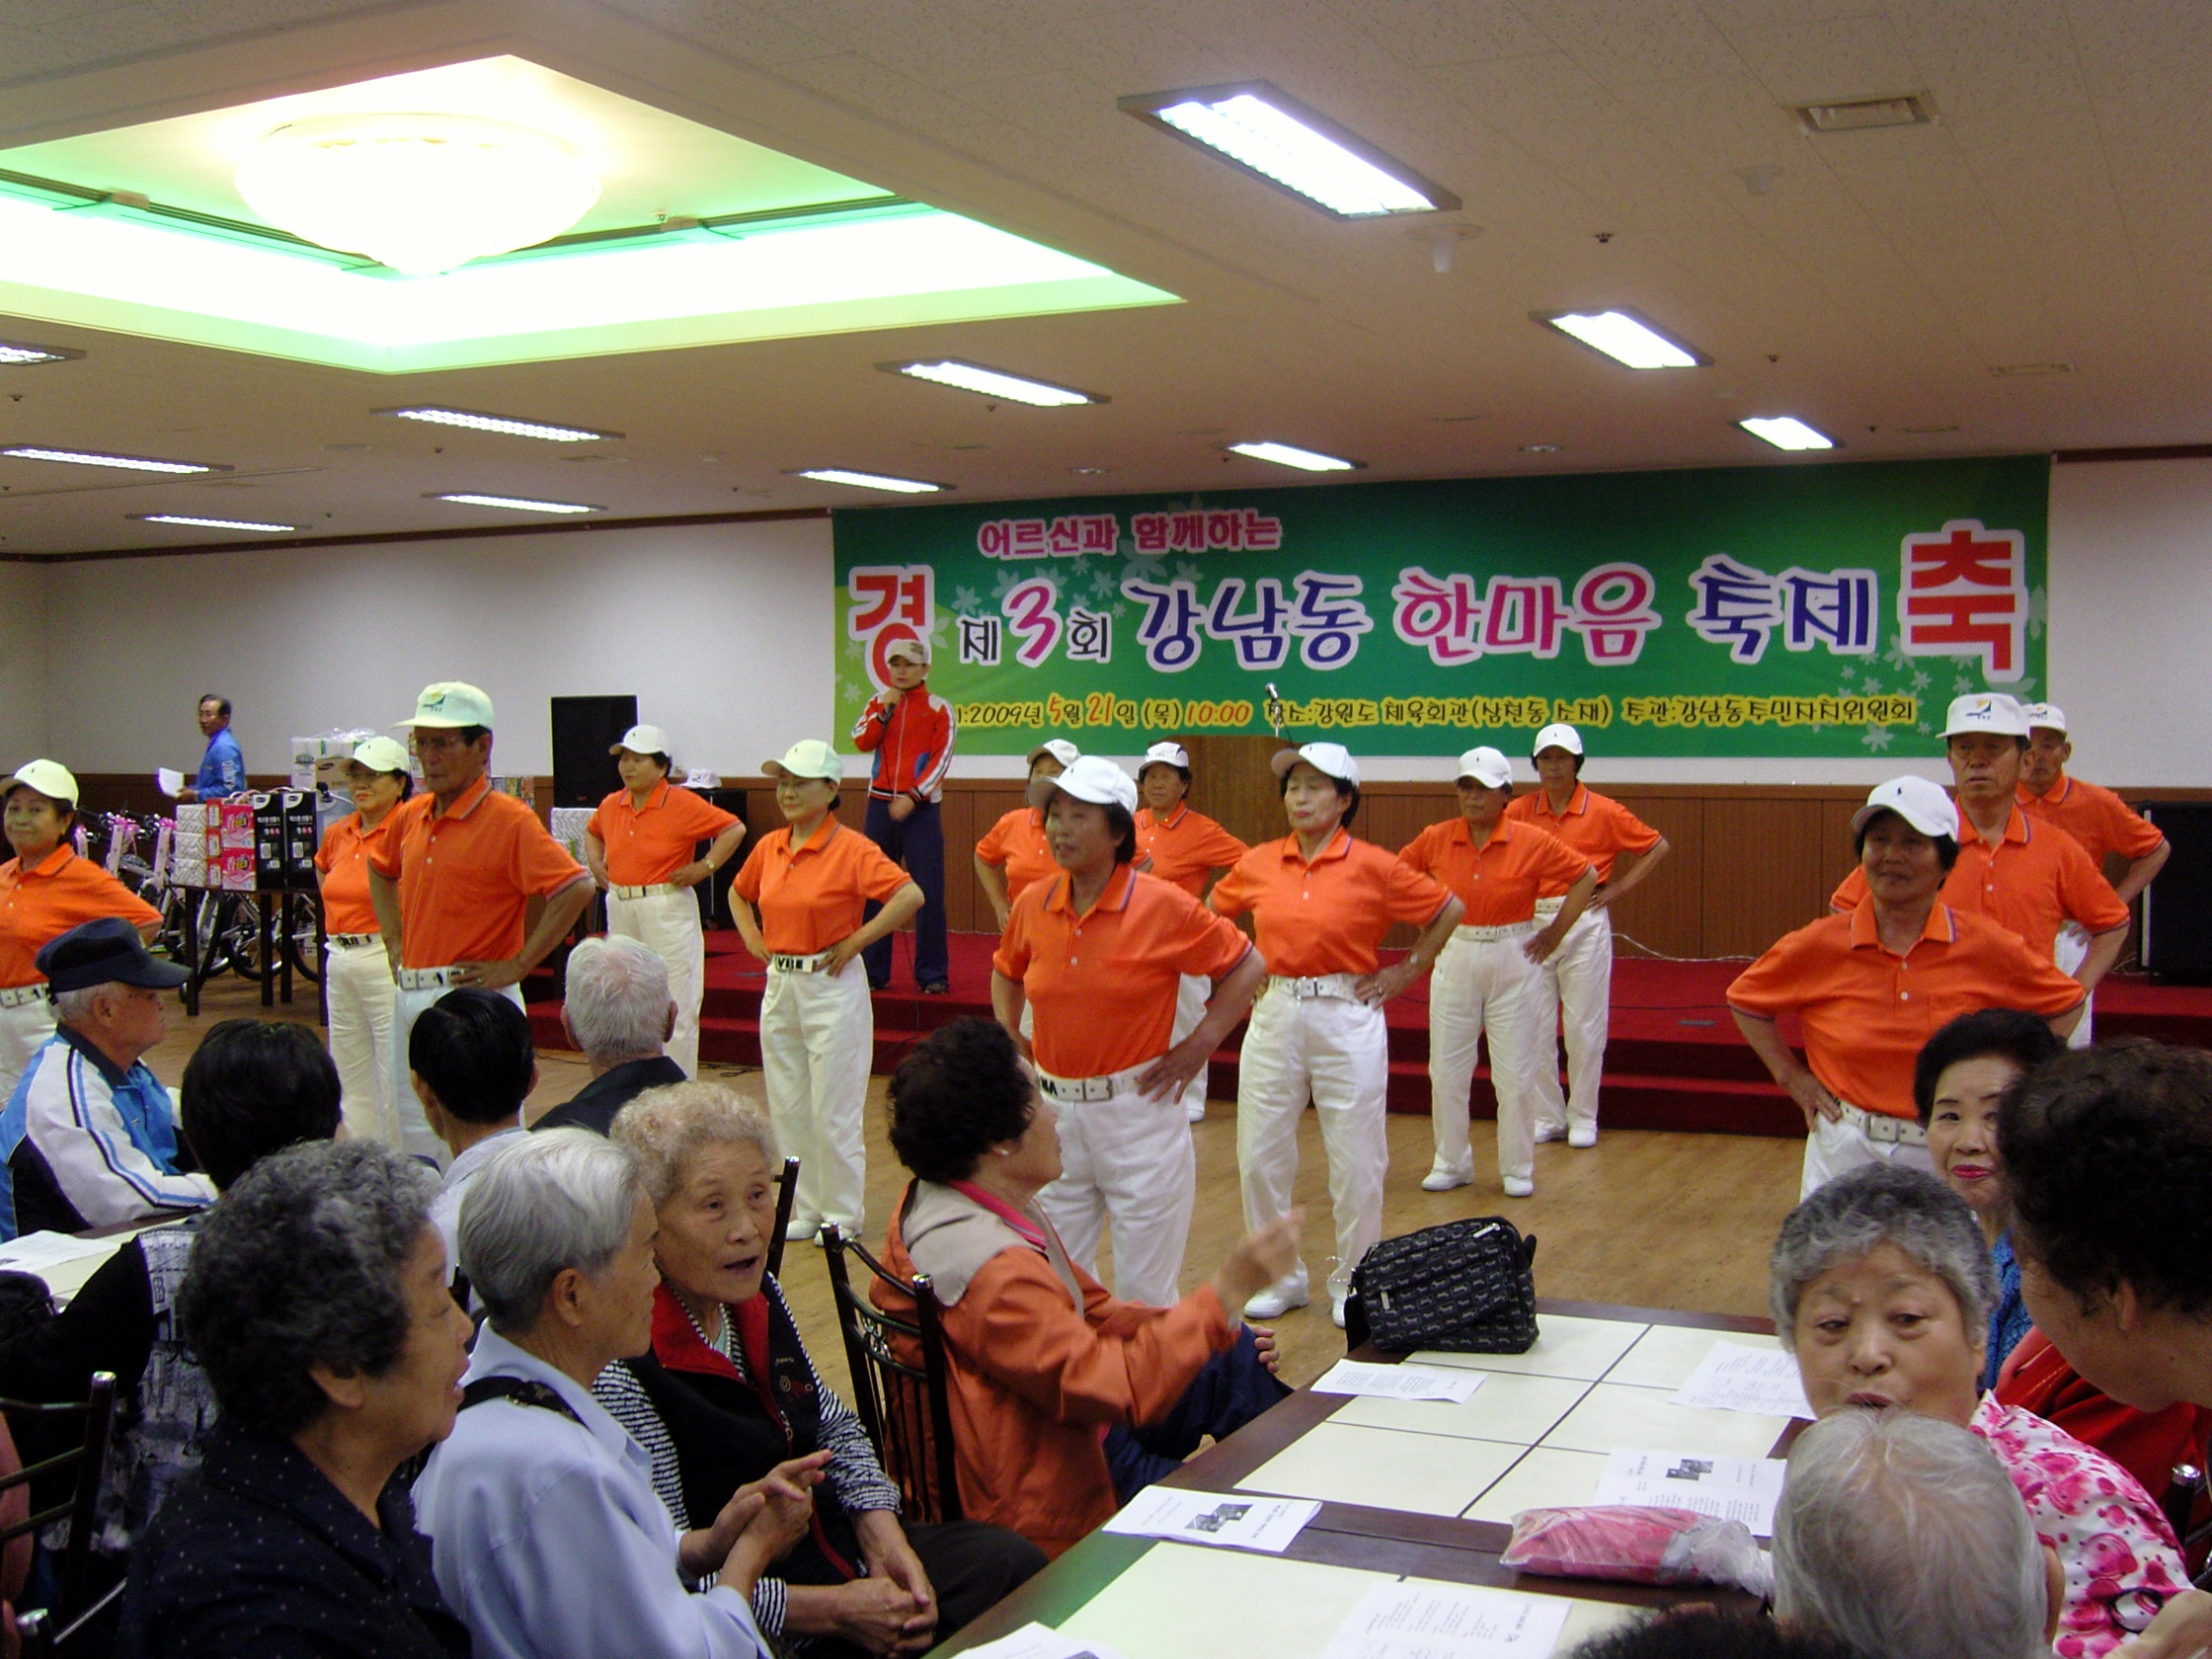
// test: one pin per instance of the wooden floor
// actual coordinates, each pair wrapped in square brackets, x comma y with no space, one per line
[1668,1221]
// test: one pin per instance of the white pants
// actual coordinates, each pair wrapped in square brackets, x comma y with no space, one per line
[1578,982]
[1191,997]
[2070,950]
[1486,985]
[23,1030]
[1335,1052]
[414,1134]
[1129,1160]
[667,924]
[357,983]
[1837,1147]
[818,1036]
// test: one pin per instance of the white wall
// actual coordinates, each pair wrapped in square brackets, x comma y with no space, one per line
[23,662]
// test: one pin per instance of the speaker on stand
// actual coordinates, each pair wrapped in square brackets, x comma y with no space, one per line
[2178,905]
[584,729]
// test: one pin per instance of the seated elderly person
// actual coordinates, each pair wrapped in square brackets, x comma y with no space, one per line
[700,1403]
[472,1065]
[1705,1632]
[619,1012]
[546,1533]
[1065,1401]
[1881,1289]
[88,1138]
[251,1089]
[1898,1537]
[316,1300]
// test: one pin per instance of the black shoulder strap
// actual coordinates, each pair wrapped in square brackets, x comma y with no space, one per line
[522,1392]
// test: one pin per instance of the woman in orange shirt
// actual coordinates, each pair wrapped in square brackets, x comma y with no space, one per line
[357,976]
[1013,852]
[1189,849]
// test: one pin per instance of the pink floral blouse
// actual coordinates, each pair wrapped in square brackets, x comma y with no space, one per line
[2120,1557]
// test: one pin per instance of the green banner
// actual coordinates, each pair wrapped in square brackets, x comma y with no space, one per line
[1787,610]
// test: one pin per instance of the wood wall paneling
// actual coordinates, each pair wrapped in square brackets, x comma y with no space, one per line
[1762,872]
[1666,913]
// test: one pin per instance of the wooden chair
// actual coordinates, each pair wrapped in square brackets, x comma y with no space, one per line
[904,1407]
[90,1459]
[788,1183]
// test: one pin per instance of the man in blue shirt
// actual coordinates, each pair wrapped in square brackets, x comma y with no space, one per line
[223,769]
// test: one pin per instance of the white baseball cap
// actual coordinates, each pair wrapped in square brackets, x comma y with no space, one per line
[381,754]
[913,649]
[809,757]
[49,778]
[643,740]
[1985,711]
[1558,736]
[448,704]
[1090,777]
[1328,758]
[1486,766]
[1920,803]
[1059,748]
[2047,716]
[1165,754]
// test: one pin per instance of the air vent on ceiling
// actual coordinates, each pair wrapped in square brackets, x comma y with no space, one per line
[1862,114]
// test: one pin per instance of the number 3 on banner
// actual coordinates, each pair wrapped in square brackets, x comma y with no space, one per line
[1030,616]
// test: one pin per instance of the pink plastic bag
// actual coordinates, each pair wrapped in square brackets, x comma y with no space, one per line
[1637,1545]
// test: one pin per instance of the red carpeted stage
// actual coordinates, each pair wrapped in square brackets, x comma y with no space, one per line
[1674,1061]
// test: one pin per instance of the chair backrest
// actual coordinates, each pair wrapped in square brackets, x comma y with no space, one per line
[789,1190]
[906,1407]
[89,1457]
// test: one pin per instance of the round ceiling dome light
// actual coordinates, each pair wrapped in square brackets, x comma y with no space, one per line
[421,193]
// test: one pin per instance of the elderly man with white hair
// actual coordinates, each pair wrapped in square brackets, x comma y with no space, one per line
[618,1008]
[547,1538]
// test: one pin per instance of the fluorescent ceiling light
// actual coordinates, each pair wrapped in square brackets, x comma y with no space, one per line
[209,523]
[993,382]
[507,423]
[15,352]
[870,481]
[1290,455]
[517,504]
[1625,338]
[128,463]
[1271,135]
[1787,431]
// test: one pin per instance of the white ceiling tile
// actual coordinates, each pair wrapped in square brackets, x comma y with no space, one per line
[1625,41]
[1831,62]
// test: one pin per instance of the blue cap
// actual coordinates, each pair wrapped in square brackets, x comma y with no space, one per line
[104,951]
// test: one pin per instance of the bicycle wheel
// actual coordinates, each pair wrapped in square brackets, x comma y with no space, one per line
[241,936]
[300,945]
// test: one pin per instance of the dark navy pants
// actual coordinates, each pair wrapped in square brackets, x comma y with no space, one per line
[919,843]
[1232,1389]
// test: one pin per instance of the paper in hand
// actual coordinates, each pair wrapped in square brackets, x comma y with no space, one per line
[1734,1377]
[1742,1489]
[167,781]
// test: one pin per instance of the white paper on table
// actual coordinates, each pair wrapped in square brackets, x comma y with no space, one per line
[1397,1381]
[1417,1619]
[1742,1489]
[35,1252]
[1239,1521]
[1040,1641]
[168,781]
[1733,1377]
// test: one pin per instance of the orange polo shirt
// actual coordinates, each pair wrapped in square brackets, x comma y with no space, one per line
[1499,883]
[1187,848]
[43,902]
[815,894]
[1326,917]
[2034,881]
[2097,817]
[1867,1012]
[1595,825]
[343,859]
[646,847]
[1016,845]
[1104,983]
[467,875]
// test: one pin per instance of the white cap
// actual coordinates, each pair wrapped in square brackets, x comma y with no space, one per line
[1985,711]
[643,740]
[1329,760]
[1059,748]
[1093,779]
[448,704]
[2048,717]
[1558,736]
[809,757]
[1920,803]
[1486,766]
[1165,754]
[49,778]
[913,649]
[381,754]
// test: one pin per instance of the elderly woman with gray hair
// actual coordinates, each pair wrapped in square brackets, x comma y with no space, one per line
[1881,1289]
[728,1392]
[546,1533]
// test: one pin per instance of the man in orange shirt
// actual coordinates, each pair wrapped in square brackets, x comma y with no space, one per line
[1189,849]
[1872,986]
[455,887]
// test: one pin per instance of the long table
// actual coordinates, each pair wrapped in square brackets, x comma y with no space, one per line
[1407,1490]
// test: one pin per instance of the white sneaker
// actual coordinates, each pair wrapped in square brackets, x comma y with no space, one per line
[1274,1302]
[1518,1187]
[1197,1113]
[1550,1131]
[1583,1135]
[1336,1312]
[800,1230]
[1444,1180]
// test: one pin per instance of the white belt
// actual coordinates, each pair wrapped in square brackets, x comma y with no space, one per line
[1092,1088]
[16,997]
[1491,935]
[1884,1130]
[779,963]
[353,941]
[653,892]
[427,979]
[1342,986]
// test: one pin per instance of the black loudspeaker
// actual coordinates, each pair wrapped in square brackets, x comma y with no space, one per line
[714,891]
[2177,905]
[583,729]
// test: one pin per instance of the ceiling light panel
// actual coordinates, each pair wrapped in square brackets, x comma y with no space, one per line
[1625,338]
[1787,431]
[1262,130]
[993,382]
[127,463]
[512,425]
[870,481]
[515,504]
[197,523]
[1290,455]
[17,351]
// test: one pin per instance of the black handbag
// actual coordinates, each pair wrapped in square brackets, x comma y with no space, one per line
[1465,1288]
